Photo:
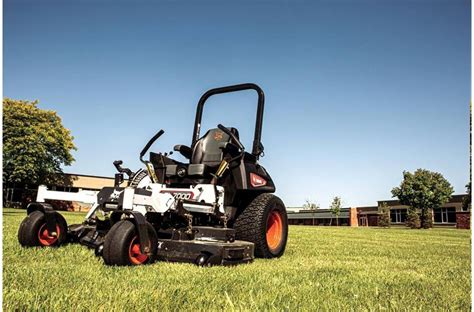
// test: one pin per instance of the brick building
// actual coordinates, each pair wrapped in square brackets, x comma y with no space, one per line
[450,214]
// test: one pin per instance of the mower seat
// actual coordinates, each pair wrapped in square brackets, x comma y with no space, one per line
[207,149]
[206,156]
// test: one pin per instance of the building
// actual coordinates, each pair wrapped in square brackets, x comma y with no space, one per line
[450,214]
[318,217]
[444,216]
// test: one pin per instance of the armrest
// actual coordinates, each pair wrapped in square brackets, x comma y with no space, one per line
[184,150]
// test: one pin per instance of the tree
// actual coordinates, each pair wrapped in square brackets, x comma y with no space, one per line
[423,190]
[35,143]
[311,206]
[413,219]
[335,208]
[428,222]
[384,215]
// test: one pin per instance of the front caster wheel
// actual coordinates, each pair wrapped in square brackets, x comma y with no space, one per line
[33,231]
[122,247]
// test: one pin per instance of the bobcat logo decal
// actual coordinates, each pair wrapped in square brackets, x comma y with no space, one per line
[218,135]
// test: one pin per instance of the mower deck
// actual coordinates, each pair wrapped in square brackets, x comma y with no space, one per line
[206,246]
[205,252]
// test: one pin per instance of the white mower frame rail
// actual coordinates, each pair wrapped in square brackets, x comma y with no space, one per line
[200,198]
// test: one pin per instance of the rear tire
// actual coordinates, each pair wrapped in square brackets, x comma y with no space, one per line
[121,245]
[264,222]
[33,231]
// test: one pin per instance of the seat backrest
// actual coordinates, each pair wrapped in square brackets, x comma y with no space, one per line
[206,150]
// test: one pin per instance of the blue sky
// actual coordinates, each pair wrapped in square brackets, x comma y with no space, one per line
[356,91]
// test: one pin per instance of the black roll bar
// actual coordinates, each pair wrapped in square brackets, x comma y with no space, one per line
[257,148]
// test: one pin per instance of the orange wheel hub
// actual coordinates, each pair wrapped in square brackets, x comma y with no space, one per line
[44,236]
[274,229]
[134,252]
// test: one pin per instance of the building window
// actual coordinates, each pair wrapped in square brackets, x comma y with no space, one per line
[445,215]
[398,215]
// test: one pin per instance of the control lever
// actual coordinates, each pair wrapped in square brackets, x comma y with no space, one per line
[118,166]
[229,133]
[236,141]
[224,165]
[147,146]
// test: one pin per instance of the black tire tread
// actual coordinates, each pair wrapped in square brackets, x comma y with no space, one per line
[29,227]
[109,256]
[250,225]
[118,240]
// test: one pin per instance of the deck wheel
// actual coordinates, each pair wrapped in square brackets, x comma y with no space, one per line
[134,253]
[122,246]
[48,239]
[34,232]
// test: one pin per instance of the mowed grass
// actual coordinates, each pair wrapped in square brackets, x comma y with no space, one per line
[324,268]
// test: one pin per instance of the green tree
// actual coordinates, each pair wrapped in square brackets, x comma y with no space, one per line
[384,215]
[423,190]
[428,222]
[35,143]
[335,208]
[413,219]
[311,206]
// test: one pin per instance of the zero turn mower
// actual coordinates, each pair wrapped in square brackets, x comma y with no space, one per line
[218,208]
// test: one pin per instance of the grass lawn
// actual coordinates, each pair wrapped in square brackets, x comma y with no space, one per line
[323,269]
